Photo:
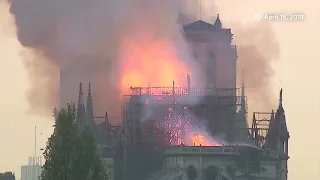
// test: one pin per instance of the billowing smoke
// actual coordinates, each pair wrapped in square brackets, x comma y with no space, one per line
[257,49]
[99,40]
[87,41]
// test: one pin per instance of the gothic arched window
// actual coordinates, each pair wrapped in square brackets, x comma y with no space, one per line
[211,68]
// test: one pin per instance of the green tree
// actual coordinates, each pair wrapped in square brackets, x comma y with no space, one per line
[7,176]
[70,154]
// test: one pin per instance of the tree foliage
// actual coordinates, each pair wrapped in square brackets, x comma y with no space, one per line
[7,176]
[71,154]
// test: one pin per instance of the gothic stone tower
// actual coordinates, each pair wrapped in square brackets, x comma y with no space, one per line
[211,45]
[212,48]
[277,142]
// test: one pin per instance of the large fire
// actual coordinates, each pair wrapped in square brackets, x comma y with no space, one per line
[147,58]
[197,140]
[200,140]
[153,62]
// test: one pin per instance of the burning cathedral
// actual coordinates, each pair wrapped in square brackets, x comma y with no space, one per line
[165,135]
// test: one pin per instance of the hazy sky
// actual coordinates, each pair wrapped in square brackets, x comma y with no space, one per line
[298,69]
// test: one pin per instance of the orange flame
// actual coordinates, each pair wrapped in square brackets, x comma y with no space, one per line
[150,60]
[197,140]
[200,140]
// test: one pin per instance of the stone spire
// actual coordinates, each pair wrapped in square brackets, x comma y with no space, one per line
[280,115]
[80,107]
[280,101]
[278,134]
[218,23]
[89,108]
[80,96]
[243,97]
[242,123]
[282,140]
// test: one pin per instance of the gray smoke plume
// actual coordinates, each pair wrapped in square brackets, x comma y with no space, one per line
[257,49]
[83,39]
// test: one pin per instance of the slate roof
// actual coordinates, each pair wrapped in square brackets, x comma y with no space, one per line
[202,25]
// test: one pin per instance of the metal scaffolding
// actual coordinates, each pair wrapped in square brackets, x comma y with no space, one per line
[260,127]
[163,114]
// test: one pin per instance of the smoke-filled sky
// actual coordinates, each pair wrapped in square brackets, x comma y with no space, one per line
[97,41]
[118,44]
[89,39]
